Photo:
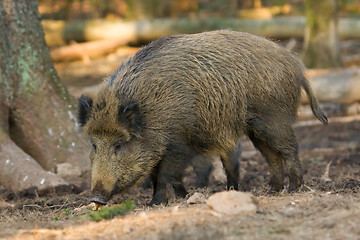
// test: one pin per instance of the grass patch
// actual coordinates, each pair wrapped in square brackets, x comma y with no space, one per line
[111,212]
[316,160]
[67,212]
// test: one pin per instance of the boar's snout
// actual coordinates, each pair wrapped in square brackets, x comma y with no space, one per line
[99,198]
[99,194]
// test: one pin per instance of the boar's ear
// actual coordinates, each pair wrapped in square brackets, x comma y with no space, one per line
[85,106]
[129,114]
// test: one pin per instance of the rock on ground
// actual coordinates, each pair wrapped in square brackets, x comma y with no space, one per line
[233,203]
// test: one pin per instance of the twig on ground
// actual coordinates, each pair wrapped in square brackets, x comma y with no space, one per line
[57,210]
[309,188]
[32,205]
[325,177]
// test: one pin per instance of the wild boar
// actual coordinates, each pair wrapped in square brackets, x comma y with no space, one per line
[186,95]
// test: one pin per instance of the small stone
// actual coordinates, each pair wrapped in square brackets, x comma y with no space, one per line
[233,203]
[175,209]
[4,204]
[142,214]
[196,198]
[128,229]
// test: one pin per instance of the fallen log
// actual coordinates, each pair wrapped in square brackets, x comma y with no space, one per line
[149,30]
[86,50]
[339,86]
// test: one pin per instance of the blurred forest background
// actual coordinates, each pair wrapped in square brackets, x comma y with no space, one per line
[316,30]
[137,22]
[137,9]
[89,38]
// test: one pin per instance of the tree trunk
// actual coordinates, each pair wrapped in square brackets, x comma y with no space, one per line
[321,48]
[37,121]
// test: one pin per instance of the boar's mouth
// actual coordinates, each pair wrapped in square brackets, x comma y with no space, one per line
[99,195]
[98,198]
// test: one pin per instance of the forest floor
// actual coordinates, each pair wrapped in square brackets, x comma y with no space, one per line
[327,207]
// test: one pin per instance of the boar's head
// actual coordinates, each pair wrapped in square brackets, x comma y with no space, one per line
[119,155]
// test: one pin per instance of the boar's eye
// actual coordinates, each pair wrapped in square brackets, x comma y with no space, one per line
[94,147]
[118,146]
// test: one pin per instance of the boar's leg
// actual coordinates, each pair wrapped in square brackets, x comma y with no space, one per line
[274,161]
[278,145]
[179,189]
[167,177]
[163,190]
[293,164]
[154,178]
[202,167]
[231,164]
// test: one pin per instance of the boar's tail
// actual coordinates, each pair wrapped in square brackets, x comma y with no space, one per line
[318,112]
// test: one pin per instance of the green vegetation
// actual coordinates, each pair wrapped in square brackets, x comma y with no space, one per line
[67,212]
[316,160]
[111,212]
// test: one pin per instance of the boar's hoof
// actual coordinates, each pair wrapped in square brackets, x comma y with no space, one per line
[158,200]
[180,190]
[293,187]
[274,191]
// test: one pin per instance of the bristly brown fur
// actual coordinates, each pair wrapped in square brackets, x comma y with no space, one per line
[197,94]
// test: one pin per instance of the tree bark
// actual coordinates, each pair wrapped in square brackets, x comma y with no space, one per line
[38,129]
[19,170]
[321,47]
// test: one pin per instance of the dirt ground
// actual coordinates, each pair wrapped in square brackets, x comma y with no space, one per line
[327,207]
